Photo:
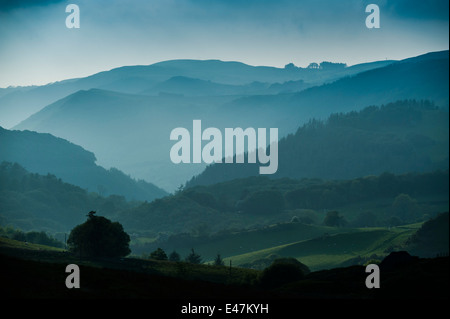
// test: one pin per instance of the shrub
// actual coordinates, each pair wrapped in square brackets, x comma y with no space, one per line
[281,272]
[193,258]
[174,256]
[158,254]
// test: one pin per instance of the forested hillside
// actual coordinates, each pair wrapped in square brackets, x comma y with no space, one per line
[401,137]
[30,201]
[383,200]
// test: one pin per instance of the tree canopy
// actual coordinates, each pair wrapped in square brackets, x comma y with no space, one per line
[99,237]
[158,254]
[333,219]
[193,257]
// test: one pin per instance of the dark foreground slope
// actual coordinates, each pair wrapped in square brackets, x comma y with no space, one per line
[41,274]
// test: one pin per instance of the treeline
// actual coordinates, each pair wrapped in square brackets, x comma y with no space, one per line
[192,257]
[258,201]
[35,237]
[31,201]
[387,185]
[272,196]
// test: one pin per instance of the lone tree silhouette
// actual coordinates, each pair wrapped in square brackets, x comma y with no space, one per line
[174,256]
[193,257]
[99,237]
[333,219]
[158,254]
[219,261]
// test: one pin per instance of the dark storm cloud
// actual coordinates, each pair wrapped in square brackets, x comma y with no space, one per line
[419,9]
[7,5]
[416,9]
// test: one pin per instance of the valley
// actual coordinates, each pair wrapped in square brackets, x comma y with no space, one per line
[361,174]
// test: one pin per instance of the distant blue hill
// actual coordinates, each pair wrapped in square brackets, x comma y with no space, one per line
[131,131]
[16,104]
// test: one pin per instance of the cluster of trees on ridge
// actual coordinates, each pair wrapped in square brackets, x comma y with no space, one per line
[35,237]
[263,200]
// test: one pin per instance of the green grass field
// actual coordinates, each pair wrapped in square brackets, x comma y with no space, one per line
[318,247]
[332,250]
[256,240]
[11,243]
[237,243]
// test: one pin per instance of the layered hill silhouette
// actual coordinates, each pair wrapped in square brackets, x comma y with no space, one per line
[131,130]
[17,103]
[47,154]
[420,78]
[126,131]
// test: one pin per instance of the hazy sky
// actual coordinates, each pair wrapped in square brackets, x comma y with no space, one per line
[37,48]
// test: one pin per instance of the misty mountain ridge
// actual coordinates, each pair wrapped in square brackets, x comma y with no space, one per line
[101,120]
[98,119]
[17,103]
[421,78]
[185,86]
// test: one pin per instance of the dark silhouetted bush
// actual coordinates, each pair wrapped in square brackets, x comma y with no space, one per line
[283,271]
